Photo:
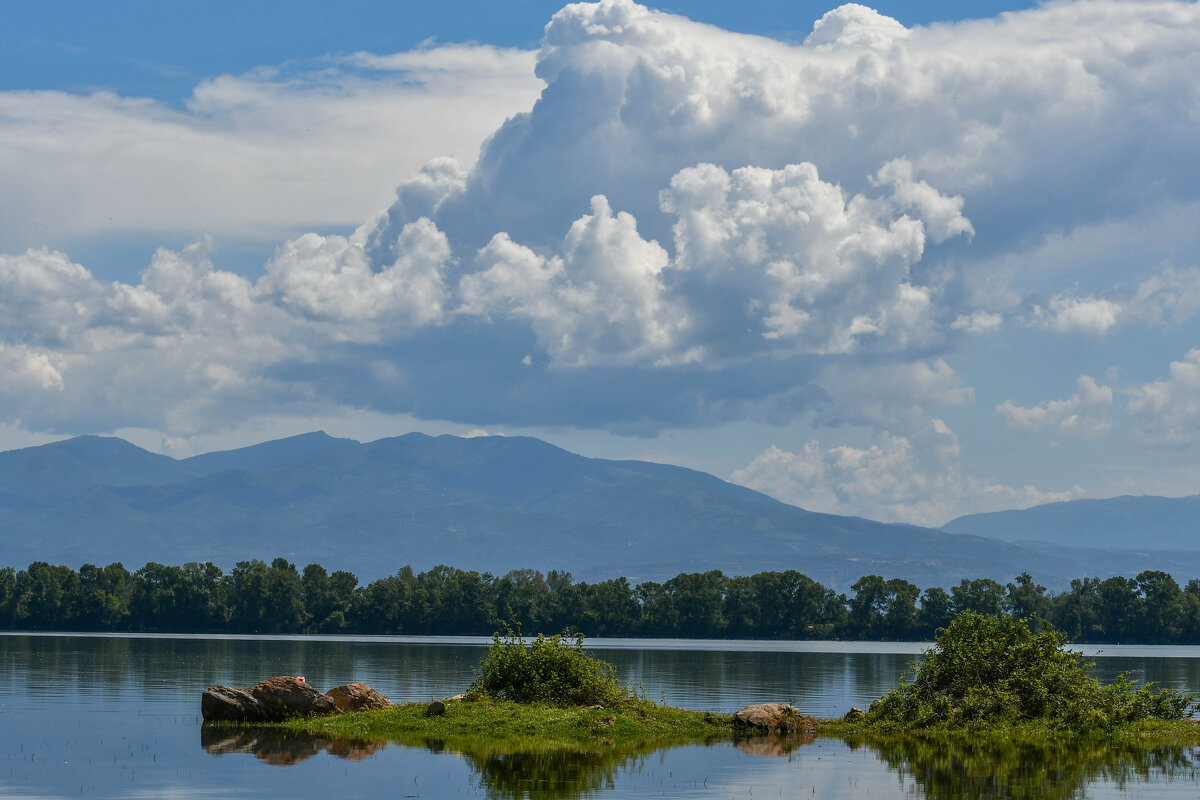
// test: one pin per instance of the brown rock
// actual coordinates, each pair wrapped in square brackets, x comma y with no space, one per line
[774,717]
[436,709]
[853,714]
[284,696]
[357,697]
[232,705]
[272,700]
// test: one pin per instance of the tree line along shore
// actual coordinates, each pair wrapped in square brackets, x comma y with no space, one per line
[278,598]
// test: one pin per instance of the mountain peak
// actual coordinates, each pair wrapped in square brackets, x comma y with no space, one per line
[267,455]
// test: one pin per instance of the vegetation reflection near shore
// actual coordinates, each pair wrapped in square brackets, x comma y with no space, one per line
[935,768]
[530,767]
[962,768]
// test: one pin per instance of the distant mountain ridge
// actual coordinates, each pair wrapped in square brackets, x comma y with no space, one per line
[488,503]
[1145,522]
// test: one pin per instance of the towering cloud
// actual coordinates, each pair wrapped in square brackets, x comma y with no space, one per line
[689,226]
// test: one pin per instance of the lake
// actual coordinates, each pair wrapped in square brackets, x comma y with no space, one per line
[119,716]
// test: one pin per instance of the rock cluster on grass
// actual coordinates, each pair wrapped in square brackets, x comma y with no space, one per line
[774,718]
[278,698]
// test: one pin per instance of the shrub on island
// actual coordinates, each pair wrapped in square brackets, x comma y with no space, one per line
[548,669]
[989,671]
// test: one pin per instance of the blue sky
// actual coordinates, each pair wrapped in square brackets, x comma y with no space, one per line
[161,50]
[881,260]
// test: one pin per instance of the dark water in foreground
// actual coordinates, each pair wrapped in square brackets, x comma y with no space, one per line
[119,717]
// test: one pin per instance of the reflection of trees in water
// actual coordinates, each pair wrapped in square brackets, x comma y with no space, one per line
[507,770]
[954,770]
[148,665]
[938,769]
[516,774]
[553,774]
[283,748]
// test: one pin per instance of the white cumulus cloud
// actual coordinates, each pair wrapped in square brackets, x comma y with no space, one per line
[329,278]
[918,479]
[667,225]
[600,301]
[1167,411]
[1087,412]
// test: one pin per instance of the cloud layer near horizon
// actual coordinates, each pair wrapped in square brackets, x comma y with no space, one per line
[689,227]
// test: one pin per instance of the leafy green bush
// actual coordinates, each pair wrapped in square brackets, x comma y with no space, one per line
[992,670]
[549,669]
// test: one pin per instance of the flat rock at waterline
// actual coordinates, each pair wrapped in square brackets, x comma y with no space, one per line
[774,717]
[273,700]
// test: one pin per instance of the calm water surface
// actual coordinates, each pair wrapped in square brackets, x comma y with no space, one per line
[109,716]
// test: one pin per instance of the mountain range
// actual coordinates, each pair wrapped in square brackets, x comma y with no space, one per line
[499,503]
[1119,522]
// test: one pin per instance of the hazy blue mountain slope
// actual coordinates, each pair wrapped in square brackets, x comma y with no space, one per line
[1140,523]
[490,504]
[66,469]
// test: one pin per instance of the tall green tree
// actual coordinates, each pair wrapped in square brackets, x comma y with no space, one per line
[1076,612]
[1118,610]
[658,612]
[266,599]
[937,609]
[740,611]
[8,597]
[104,597]
[868,606]
[45,597]
[389,605]
[698,600]
[327,598]
[1162,607]
[982,595]
[1026,599]
[610,609]
[524,595]
[901,616]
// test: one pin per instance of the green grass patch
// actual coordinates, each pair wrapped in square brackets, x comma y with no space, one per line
[537,725]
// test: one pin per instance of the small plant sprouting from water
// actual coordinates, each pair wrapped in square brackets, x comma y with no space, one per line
[548,669]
